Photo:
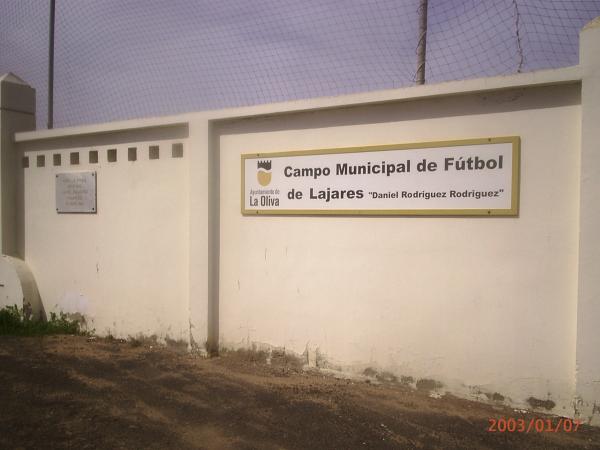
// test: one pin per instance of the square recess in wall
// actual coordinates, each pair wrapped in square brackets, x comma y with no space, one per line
[153,152]
[41,160]
[177,150]
[111,155]
[132,154]
[93,156]
[56,159]
[74,158]
[25,161]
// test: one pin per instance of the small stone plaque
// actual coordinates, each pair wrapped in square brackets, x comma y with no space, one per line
[76,192]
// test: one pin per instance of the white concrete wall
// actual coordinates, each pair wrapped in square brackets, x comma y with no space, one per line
[488,303]
[17,113]
[482,305]
[588,307]
[126,267]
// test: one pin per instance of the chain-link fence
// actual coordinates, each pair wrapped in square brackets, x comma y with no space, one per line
[119,59]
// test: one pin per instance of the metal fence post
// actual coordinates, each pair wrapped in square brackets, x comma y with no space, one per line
[422,44]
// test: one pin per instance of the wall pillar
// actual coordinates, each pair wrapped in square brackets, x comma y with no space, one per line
[204,237]
[17,113]
[588,303]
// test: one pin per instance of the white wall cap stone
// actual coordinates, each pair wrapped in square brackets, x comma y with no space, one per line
[11,78]
[594,23]
[16,95]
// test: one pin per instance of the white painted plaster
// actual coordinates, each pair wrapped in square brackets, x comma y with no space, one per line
[480,304]
[588,308]
[486,302]
[126,267]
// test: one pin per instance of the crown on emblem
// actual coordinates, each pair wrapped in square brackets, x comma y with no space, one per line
[264,165]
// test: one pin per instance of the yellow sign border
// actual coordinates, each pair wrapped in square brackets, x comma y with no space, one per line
[513,211]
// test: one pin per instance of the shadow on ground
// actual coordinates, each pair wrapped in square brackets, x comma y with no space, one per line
[66,392]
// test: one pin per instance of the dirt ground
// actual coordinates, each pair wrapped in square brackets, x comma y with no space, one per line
[65,392]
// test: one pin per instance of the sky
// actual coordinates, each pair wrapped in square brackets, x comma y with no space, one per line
[122,59]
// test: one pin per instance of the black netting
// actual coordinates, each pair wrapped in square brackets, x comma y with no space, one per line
[119,59]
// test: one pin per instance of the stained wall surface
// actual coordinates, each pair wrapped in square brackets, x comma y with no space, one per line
[125,267]
[479,304]
[483,306]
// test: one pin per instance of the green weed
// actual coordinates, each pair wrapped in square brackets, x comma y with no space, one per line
[13,321]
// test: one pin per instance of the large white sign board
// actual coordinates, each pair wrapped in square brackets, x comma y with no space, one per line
[468,177]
